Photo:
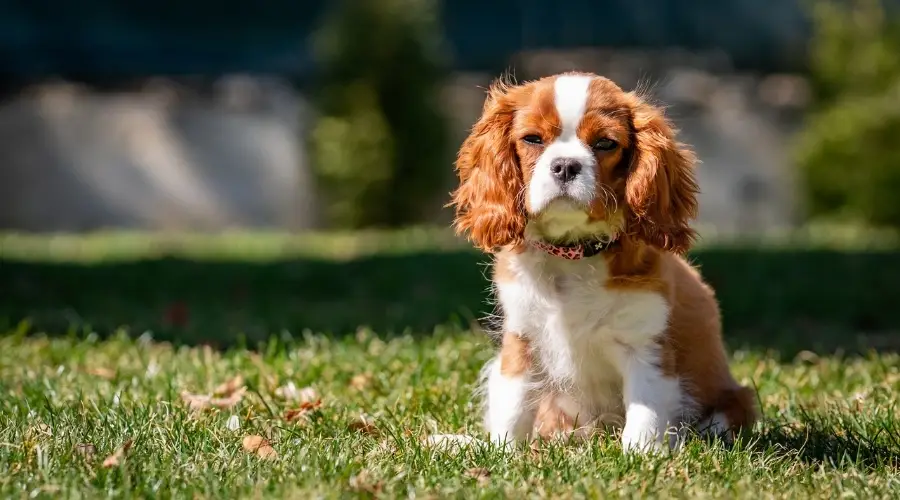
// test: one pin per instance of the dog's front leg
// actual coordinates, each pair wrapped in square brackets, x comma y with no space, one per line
[651,399]
[510,399]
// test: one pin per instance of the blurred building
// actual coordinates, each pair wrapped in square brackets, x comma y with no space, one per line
[121,137]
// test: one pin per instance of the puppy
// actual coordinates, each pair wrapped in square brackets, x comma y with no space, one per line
[584,197]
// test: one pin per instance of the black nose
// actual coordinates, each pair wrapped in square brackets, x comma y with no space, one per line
[565,169]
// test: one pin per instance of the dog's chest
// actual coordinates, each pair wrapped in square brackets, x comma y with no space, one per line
[580,329]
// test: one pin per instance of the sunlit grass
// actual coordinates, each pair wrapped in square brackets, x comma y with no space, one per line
[71,394]
[831,425]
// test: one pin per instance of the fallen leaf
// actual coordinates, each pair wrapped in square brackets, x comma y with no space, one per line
[199,402]
[195,401]
[480,474]
[252,443]
[229,387]
[105,373]
[230,401]
[85,450]
[361,381]
[118,456]
[362,482]
[295,414]
[365,425]
[259,446]
[266,453]
[301,412]
[290,392]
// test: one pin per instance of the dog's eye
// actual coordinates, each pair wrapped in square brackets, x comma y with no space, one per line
[605,145]
[533,139]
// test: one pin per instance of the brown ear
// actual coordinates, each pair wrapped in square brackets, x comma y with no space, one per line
[661,189]
[488,201]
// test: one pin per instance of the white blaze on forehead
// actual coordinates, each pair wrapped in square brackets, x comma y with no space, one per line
[570,96]
[569,216]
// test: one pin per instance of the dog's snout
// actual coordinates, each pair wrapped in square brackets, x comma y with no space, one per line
[565,169]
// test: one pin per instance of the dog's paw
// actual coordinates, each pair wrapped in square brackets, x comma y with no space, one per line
[641,441]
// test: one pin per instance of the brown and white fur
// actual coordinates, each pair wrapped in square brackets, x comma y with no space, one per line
[630,337]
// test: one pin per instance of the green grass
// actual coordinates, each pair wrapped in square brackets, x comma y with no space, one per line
[831,425]
[72,380]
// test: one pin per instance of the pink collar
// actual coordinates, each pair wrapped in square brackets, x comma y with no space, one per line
[574,252]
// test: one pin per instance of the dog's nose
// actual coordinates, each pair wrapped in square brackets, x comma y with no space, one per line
[565,169]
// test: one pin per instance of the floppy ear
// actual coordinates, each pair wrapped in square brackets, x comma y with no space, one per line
[661,190]
[489,199]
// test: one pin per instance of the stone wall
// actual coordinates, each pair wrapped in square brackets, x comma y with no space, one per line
[157,156]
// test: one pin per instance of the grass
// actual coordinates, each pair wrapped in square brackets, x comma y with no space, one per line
[71,394]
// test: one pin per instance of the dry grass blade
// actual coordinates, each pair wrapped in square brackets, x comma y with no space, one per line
[104,373]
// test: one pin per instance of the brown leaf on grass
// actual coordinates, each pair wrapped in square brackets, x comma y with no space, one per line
[198,402]
[479,474]
[266,453]
[259,446]
[229,387]
[230,401]
[361,381]
[294,415]
[290,392]
[303,411]
[118,456]
[364,424]
[86,451]
[104,373]
[363,483]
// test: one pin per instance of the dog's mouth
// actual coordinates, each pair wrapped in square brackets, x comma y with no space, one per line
[565,221]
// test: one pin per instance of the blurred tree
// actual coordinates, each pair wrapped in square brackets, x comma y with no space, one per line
[380,143]
[848,151]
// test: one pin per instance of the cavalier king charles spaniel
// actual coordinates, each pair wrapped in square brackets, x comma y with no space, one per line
[583,195]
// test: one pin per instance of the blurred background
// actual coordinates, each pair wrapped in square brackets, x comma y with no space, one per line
[211,172]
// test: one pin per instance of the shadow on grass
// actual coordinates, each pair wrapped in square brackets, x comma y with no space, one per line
[786,300]
[835,439]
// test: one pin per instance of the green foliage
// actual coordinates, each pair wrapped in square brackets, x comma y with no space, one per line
[381,131]
[847,153]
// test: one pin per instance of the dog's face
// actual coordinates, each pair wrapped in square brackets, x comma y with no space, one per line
[571,157]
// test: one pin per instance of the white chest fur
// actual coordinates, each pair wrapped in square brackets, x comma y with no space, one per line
[583,335]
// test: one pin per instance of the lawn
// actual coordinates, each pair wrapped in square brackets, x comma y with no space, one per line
[122,373]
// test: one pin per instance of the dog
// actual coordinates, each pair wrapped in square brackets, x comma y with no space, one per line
[583,196]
